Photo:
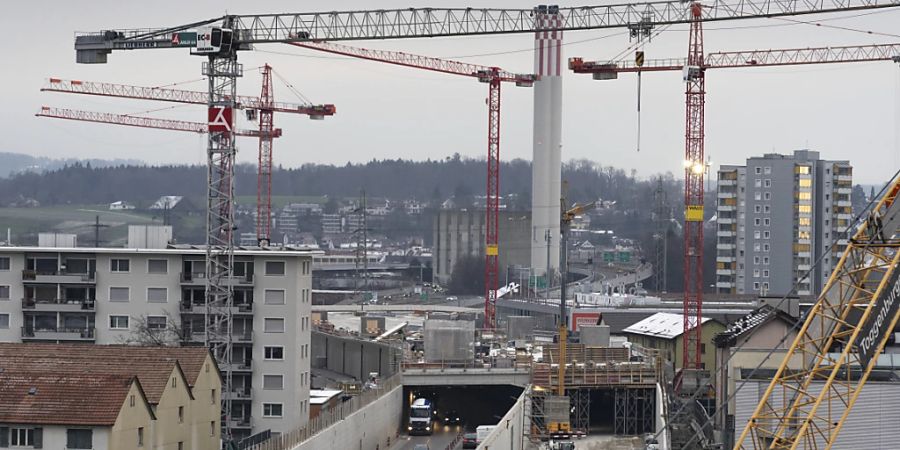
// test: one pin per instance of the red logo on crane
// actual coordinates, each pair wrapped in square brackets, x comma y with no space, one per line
[219,119]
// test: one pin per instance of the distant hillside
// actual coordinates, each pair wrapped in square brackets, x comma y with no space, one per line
[428,181]
[13,163]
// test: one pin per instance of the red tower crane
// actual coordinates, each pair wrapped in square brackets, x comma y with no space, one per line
[694,70]
[264,106]
[493,76]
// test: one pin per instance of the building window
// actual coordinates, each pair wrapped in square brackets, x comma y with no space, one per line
[765,274]
[767,209]
[119,265]
[4,263]
[755,286]
[766,247]
[756,220]
[140,436]
[766,260]
[757,208]
[702,348]
[212,428]
[756,260]
[756,247]
[4,321]
[4,292]
[274,353]
[755,273]
[766,234]
[757,183]
[212,396]
[156,322]
[160,266]
[273,325]
[766,286]
[119,294]
[21,437]
[273,382]
[180,445]
[131,400]
[757,195]
[767,196]
[755,234]
[157,295]
[275,268]
[758,170]
[274,297]
[118,322]
[181,414]
[767,221]
[767,170]
[77,438]
[767,183]
[272,409]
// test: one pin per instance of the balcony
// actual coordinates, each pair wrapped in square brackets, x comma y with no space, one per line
[58,277]
[243,366]
[724,285]
[237,393]
[58,334]
[236,337]
[726,182]
[240,422]
[57,305]
[196,308]
[199,278]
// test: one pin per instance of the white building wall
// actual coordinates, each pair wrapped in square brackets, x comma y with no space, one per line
[54,437]
[12,305]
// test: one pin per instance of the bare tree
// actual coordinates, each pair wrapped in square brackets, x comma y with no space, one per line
[152,330]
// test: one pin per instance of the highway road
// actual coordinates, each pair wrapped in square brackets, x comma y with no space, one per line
[440,440]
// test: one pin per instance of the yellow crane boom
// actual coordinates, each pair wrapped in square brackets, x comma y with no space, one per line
[826,367]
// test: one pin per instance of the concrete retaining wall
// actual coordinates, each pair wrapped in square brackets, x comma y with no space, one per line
[370,428]
[352,357]
[509,432]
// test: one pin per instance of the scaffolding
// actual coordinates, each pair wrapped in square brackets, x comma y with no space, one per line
[634,411]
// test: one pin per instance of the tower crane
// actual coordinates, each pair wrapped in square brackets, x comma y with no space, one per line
[694,72]
[219,40]
[263,106]
[493,76]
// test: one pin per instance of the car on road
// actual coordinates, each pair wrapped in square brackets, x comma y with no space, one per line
[470,440]
[421,447]
[451,417]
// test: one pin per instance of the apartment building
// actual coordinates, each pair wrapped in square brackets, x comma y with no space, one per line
[776,216]
[140,295]
[73,396]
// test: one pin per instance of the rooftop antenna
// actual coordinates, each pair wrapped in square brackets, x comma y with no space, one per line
[97,226]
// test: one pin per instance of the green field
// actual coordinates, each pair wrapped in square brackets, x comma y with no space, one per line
[26,223]
[279,201]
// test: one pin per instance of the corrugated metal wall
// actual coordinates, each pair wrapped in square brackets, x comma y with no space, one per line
[874,423]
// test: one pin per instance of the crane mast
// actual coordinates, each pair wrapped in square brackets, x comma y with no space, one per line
[264,167]
[695,94]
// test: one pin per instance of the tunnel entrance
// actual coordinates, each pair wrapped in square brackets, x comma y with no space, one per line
[621,411]
[463,408]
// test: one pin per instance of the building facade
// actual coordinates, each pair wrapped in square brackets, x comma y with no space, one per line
[137,296]
[776,216]
[461,233]
[72,396]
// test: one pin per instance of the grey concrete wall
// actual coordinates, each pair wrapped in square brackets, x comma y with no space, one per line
[352,357]
[509,432]
[367,429]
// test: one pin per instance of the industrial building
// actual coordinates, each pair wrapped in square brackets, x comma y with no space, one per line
[461,233]
[777,216]
[76,396]
[156,295]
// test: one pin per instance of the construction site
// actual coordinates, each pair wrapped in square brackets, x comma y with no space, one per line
[586,349]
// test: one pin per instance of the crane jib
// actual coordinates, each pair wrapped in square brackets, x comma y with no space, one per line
[883,312]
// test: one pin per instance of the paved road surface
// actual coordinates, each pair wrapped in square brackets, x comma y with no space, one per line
[437,441]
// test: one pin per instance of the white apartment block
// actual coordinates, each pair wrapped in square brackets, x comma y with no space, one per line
[109,295]
[776,216]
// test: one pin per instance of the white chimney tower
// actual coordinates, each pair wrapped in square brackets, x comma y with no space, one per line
[546,162]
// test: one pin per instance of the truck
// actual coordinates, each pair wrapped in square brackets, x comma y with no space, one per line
[482,432]
[421,412]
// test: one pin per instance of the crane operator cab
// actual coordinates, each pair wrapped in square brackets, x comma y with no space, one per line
[213,40]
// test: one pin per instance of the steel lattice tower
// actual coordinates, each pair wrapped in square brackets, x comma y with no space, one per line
[492,209]
[264,178]
[695,93]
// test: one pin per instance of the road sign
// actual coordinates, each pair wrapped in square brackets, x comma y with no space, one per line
[639,58]
[609,256]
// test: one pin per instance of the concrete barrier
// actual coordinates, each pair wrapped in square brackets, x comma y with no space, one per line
[369,428]
[509,432]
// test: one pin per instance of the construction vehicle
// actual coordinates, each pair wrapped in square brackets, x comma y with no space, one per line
[839,342]
[421,413]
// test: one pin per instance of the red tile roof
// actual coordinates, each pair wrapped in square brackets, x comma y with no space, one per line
[85,384]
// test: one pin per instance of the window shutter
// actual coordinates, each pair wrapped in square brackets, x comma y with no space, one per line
[4,437]
[38,438]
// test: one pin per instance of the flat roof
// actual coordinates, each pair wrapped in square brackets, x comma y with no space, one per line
[663,325]
[172,250]
[322,396]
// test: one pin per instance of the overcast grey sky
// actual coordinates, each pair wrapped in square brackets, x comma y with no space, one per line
[844,111]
